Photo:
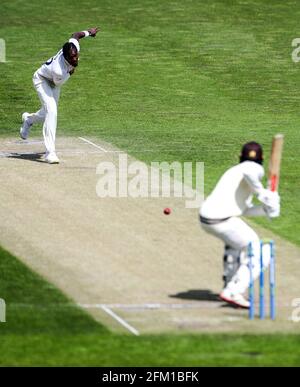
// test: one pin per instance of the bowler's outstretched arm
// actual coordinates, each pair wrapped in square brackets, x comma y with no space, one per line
[82,34]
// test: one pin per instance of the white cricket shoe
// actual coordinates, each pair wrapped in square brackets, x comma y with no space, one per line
[234,299]
[51,158]
[25,128]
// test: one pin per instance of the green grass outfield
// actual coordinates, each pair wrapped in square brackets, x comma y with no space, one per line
[167,81]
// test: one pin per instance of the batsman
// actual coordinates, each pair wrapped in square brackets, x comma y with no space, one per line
[220,215]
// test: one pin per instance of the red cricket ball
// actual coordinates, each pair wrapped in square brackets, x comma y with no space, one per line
[167,211]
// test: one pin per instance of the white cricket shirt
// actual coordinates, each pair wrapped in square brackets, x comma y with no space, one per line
[233,193]
[57,69]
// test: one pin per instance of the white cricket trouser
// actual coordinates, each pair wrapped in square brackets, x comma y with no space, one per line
[49,97]
[235,233]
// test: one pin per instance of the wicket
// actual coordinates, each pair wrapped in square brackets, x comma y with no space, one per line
[262,281]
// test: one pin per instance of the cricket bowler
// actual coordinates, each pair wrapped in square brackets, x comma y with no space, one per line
[47,81]
[220,216]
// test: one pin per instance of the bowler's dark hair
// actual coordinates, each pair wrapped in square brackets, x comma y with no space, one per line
[67,47]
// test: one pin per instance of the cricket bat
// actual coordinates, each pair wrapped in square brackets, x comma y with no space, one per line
[275,161]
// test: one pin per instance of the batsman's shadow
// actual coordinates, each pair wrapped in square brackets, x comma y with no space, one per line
[202,295]
[197,295]
[37,157]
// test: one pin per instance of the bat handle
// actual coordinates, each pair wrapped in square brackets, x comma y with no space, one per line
[273,183]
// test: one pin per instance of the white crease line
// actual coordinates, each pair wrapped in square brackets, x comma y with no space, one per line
[99,147]
[196,305]
[120,320]
[91,143]
[24,142]
[112,314]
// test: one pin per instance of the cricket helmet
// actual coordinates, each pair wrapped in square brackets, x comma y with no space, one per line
[252,151]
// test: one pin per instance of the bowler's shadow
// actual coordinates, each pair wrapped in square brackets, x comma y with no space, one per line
[28,156]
